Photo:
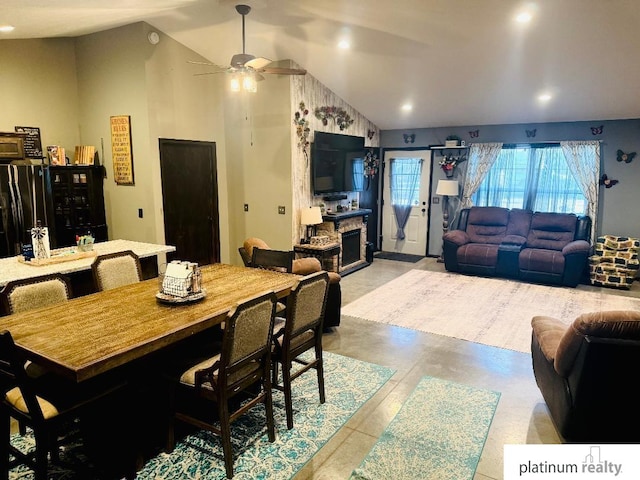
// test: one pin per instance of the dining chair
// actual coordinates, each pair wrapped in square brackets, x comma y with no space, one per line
[31,293]
[241,370]
[300,332]
[46,404]
[35,292]
[279,260]
[114,270]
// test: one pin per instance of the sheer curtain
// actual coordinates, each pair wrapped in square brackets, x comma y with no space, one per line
[404,186]
[481,158]
[583,158]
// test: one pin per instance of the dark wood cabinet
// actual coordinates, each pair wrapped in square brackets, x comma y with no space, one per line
[75,200]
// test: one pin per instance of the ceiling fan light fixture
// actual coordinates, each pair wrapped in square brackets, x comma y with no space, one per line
[234,84]
[249,83]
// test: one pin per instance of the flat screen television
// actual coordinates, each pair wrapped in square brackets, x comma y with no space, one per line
[336,163]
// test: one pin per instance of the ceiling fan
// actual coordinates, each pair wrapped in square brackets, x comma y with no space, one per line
[247,64]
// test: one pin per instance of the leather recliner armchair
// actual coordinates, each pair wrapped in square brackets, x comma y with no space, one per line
[585,372]
[304,266]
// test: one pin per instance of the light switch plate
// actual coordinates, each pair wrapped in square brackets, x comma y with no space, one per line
[281,209]
[246,207]
[435,200]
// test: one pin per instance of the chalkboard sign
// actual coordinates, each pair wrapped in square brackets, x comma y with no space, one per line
[32,142]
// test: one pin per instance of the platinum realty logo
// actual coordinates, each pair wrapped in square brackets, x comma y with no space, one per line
[593,462]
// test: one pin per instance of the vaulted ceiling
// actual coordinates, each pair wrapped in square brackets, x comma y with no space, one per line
[457,62]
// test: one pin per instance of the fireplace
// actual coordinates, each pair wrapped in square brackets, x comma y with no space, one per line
[349,230]
[351,247]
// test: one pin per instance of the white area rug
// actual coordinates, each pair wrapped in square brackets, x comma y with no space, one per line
[490,311]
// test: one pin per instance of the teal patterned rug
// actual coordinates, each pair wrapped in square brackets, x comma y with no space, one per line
[438,434]
[349,383]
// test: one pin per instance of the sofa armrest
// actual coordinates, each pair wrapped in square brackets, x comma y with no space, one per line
[549,331]
[577,246]
[459,237]
[514,240]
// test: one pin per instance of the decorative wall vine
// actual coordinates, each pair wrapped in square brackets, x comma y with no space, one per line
[302,129]
[340,115]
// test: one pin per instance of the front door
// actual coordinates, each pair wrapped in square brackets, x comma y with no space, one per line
[190,200]
[415,230]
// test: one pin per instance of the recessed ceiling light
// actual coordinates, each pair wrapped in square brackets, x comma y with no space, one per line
[523,17]
[344,44]
[407,107]
[6,28]
[544,97]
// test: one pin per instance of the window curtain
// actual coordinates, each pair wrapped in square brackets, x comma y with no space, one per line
[481,157]
[357,174]
[583,158]
[405,183]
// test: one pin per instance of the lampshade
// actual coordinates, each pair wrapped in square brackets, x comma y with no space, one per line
[447,187]
[311,216]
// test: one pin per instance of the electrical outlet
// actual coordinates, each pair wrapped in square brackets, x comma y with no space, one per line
[246,207]
[435,200]
[281,209]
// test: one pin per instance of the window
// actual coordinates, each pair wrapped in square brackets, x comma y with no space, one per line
[405,181]
[531,177]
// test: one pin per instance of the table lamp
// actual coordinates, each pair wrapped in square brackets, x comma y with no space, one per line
[446,188]
[311,217]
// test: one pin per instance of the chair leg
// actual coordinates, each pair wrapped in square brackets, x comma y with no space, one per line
[288,403]
[225,433]
[268,405]
[171,423]
[320,371]
[274,377]
[42,447]
[4,450]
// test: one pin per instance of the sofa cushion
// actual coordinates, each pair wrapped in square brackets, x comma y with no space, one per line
[541,260]
[487,224]
[551,231]
[481,254]
[519,222]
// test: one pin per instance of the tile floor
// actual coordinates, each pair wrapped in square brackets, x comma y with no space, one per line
[521,416]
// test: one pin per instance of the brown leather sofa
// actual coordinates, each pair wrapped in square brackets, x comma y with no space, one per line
[585,374]
[540,247]
[304,266]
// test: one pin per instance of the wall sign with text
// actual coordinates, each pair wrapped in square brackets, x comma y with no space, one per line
[121,151]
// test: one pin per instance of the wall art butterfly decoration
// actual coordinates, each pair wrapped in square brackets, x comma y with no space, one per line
[409,138]
[625,157]
[597,130]
[607,182]
[531,133]
[474,133]
[370,134]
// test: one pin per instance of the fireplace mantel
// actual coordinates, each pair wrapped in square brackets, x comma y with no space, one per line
[352,225]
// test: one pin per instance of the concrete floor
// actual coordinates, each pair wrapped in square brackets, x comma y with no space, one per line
[521,416]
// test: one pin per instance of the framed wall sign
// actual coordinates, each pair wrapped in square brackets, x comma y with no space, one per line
[121,151]
[32,142]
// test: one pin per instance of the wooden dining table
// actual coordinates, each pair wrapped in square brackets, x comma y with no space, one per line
[94,334]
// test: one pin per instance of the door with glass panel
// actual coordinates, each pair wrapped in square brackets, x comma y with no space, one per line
[407,176]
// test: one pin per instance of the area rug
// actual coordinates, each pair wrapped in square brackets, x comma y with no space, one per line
[349,383]
[399,257]
[490,311]
[438,434]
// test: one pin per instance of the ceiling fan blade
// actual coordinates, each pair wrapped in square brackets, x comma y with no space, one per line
[209,73]
[282,71]
[258,63]
[202,63]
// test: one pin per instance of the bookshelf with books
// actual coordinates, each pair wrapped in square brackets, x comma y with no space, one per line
[75,203]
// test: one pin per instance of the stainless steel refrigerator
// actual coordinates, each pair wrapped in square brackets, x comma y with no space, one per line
[22,204]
